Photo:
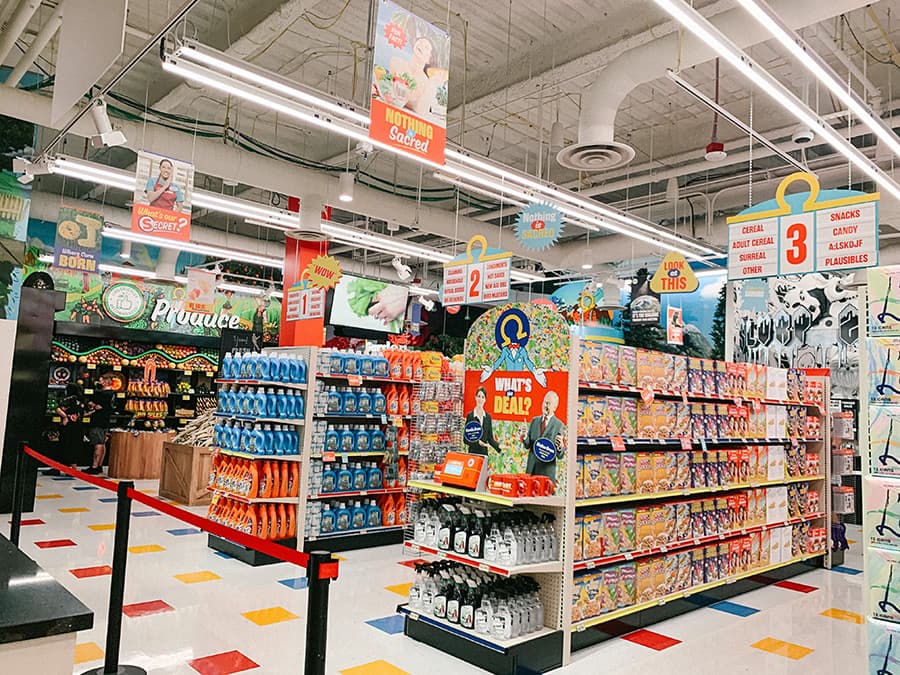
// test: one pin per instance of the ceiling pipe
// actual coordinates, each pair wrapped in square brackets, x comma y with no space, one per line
[597,148]
[16,25]
[38,44]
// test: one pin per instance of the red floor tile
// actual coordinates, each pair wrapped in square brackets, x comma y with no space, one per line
[223,664]
[411,564]
[87,572]
[146,608]
[30,521]
[794,586]
[647,638]
[54,543]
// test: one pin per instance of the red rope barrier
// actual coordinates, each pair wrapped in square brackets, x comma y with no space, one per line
[326,571]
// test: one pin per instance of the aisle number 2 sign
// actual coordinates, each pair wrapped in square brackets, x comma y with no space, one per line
[481,274]
[836,230]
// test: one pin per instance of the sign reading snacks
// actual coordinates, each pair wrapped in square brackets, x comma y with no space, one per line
[162,197]
[539,226]
[674,276]
[800,233]
[476,277]
[323,271]
[410,72]
[304,301]
[79,235]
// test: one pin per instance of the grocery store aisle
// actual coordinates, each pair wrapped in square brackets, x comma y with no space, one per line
[190,610]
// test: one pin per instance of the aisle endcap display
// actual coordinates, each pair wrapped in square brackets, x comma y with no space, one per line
[431,486]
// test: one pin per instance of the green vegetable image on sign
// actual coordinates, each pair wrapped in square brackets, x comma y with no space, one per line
[369,304]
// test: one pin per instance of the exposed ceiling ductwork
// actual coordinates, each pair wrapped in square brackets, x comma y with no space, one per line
[596,148]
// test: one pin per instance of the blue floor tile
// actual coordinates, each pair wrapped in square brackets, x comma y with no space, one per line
[145,514]
[733,608]
[64,478]
[389,624]
[852,571]
[183,531]
[108,500]
[297,583]
[85,487]
[222,554]
[701,600]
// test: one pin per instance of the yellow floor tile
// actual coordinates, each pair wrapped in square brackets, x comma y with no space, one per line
[843,615]
[266,617]
[400,589]
[74,509]
[851,541]
[104,526]
[88,651]
[149,548]
[197,577]
[48,497]
[374,668]
[782,648]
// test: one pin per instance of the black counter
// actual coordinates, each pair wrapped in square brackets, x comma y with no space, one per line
[32,603]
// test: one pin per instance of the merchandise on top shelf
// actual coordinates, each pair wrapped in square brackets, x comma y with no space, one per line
[265,367]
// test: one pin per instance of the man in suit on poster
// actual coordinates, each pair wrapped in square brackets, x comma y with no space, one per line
[549,427]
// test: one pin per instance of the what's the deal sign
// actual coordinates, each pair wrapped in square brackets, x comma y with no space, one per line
[815,231]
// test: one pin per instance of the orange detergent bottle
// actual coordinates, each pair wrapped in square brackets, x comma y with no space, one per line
[262,524]
[214,469]
[291,517]
[265,481]
[403,439]
[395,361]
[400,509]
[403,400]
[254,482]
[251,521]
[276,480]
[388,512]
[284,479]
[281,514]
[418,366]
[293,479]
[401,471]
[273,522]
[393,400]
[409,361]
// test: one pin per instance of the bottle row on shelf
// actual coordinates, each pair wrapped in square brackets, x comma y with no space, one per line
[266,521]
[349,437]
[394,364]
[265,367]
[643,369]
[324,518]
[628,473]
[254,480]
[611,531]
[329,477]
[489,606]
[264,440]
[659,577]
[266,402]
[602,416]
[333,400]
[510,537]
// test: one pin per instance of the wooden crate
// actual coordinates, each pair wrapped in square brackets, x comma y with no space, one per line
[185,473]
[136,454]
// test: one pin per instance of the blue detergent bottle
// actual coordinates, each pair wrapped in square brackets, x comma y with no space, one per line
[299,405]
[334,402]
[342,518]
[222,398]
[351,364]
[344,479]
[268,446]
[261,402]
[381,366]
[363,439]
[332,439]
[281,404]
[247,366]
[373,514]
[379,402]
[271,403]
[359,477]
[263,368]
[217,434]
[257,440]
[358,516]
[337,362]
[347,439]
[303,368]
[329,478]
[295,442]
[277,440]
[328,519]
[364,402]
[366,365]
[244,438]
[226,365]
[378,440]
[237,361]
[374,477]
[350,401]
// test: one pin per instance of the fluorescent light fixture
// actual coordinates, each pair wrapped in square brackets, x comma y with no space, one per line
[280,220]
[768,19]
[346,182]
[419,290]
[350,235]
[712,36]
[125,250]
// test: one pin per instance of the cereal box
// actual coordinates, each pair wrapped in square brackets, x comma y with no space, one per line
[698,469]
[776,504]
[612,532]
[669,413]
[593,471]
[646,377]
[627,590]
[644,527]
[734,556]
[765,539]
[662,367]
[683,578]
[610,482]
[711,563]
[722,466]
[579,598]
[724,560]
[695,375]
[663,471]
[645,582]
[660,579]
[671,585]
[721,377]
[747,553]
[579,477]
[723,514]
[629,417]
[762,463]
[710,522]
[709,377]
[628,529]
[744,466]
[610,589]
[594,584]
[678,373]
[697,526]
[698,567]
[734,466]
[592,536]
[682,470]
[683,426]
[646,483]
[698,420]
[663,524]
[628,366]
[613,416]
[627,472]
[578,551]
[682,521]
[734,511]
[742,517]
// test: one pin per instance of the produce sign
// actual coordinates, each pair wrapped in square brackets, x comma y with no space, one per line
[480,275]
[815,231]
[162,197]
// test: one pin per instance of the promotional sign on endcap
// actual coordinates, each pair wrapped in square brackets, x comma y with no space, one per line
[674,326]
[162,197]
[201,291]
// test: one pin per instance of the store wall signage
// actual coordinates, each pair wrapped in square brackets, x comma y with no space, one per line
[123,301]
[481,274]
[884,295]
[410,75]
[674,275]
[516,390]
[162,197]
[323,271]
[539,226]
[15,205]
[579,303]
[79,237]
[304,301]
[644,306]
[815,231]
[674,326]
[175,312]
[201,290]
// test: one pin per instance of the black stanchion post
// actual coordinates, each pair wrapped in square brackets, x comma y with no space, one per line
[18,495]
[316,614]
[111,664]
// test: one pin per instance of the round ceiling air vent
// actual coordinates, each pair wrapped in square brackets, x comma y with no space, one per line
[313,233]
[595,156]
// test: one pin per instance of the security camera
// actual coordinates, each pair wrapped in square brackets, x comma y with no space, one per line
[404,272]
[427,304]
[106,136]
[803,135]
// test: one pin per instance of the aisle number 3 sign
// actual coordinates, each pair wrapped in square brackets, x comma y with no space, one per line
[481,274]
[815,231]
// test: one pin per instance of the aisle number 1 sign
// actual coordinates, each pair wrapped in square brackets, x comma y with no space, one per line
[304,301]
[833,230]
[481,274]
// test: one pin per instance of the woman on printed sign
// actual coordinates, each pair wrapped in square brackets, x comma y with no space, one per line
[162,191]
[416,81]
[480,415]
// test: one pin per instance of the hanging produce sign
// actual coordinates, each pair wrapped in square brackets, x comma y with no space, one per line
[15,205]
[539,226]
[674,326]
[79,235]
[410,75]
[323,271]
[674,275]
[201,291]
[304,301]
[162,197]
[815,231]
[474,277]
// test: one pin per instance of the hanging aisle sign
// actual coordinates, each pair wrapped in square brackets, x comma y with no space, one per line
[79,236]
[162,197]
[674,275]
[815,231]
[201,290]
[304,301]
[410,70]
[323,271]
[539,226]
[474,277]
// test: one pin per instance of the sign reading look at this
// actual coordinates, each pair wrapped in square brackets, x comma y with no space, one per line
[815,231]
[473,277]
[674,275]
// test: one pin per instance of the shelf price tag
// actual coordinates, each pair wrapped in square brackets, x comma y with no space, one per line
[684,396]
[188,372]
[121,394]
[647,395]
[590,565]
[328,456]
[185,397]
[703,444]
[92,366]
[686,443]
[88,392]
[118,369]
[618,443]
[354,380]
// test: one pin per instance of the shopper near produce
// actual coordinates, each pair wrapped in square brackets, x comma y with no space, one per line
[71,431]
[100,409]
[480,415]
[547,426]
